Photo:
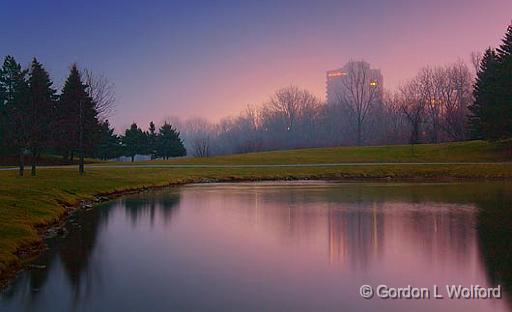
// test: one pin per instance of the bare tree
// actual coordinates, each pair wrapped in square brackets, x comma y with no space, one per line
[476,59]
[362,89]
[201,146]
[456,96]
[197,136]
[412,105]
[102,91]
[285,103]
[433,105]
[429,82]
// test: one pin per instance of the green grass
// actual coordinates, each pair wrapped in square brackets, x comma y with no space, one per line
[28,202]
[472,151]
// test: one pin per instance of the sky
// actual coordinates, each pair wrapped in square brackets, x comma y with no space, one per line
[211,59]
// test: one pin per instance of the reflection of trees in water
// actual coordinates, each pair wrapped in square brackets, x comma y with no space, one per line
[445,229]
[149,204]
[355,235]
[359,233]
[76,250]
[74,253]
[29,284]
[495,236]
[361,218]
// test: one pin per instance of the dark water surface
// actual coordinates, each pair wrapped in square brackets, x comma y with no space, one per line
[277,247]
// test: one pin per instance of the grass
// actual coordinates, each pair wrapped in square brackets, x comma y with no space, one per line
[29,202]
[472,151]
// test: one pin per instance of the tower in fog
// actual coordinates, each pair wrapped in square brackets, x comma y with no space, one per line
[341,81]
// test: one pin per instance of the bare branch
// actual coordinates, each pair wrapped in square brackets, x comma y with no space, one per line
[102,91]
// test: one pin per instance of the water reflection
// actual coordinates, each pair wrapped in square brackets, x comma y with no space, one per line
[76,252]
[276,247]
[495,236]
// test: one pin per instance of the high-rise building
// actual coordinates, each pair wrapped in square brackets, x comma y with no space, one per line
[355,74]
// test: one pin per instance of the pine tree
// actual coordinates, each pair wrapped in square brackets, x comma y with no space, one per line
[14,95]
[134,141]
[482,119]
[152,137]
[109,144]
[3,117]
[41,110]
[78,124]
[14,106]
[169,142]
[504,87]
[505,49]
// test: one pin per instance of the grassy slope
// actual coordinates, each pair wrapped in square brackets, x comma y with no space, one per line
[27,202]
[473,151]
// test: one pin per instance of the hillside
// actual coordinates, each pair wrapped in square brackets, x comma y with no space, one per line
[471,151]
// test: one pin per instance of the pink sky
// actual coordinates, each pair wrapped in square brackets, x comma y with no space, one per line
[212,58]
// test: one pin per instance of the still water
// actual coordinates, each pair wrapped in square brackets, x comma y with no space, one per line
[303,246]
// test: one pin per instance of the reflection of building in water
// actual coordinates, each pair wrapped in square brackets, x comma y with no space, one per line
[355,234]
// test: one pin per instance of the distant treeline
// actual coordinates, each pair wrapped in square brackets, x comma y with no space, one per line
[35,119]
[441,104]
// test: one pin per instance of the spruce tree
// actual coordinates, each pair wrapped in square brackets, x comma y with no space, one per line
[79,128]
[483,108]
[41,109]
[504,87]
[109,144]
[152,137]
[134,141]
[169,142]
[14,106]
[3,118]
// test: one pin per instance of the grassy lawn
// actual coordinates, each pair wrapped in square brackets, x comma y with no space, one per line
[473,151]
[27,202]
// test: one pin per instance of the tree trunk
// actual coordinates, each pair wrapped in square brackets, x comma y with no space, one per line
[81,163]
[21,163]
[33,162]
[359,133]
[133,158]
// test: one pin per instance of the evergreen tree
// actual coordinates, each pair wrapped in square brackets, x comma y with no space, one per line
[3,117]
[134,141]
[483,109]
[169,143]
[503,123]
[78,124]
[151,138]
[109,144]
[41,109]
[14,107]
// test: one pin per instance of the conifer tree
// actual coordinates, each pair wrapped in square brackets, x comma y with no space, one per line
[14,106]
[41,109]
[503,122]
[169,142]
[481,121]
[134,141]
[109,143]
[3,117]
[79,128]
[151,138]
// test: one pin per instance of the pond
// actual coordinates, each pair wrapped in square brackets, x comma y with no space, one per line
[301,246]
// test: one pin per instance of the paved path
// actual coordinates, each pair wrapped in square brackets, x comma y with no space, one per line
[313,165]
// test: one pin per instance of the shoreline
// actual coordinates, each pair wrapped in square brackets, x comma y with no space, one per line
[30,252]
